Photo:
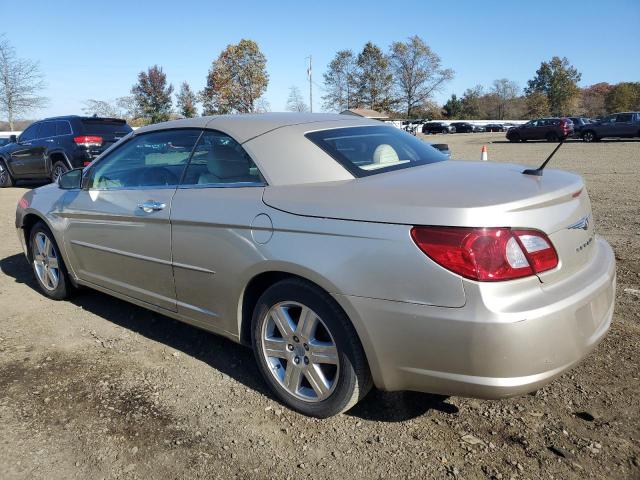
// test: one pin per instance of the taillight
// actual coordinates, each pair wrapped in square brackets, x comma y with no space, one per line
[88,141]
[564,126]
[487,254]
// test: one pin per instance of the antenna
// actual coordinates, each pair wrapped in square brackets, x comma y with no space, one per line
[538,171]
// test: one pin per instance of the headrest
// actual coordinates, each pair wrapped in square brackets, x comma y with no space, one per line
[385,154]
[226,162]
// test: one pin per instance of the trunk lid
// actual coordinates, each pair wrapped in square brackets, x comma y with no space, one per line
[457,193]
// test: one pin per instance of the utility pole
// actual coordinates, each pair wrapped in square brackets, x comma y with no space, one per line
[309,74]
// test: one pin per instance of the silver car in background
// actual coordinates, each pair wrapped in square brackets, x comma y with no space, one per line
[345,252]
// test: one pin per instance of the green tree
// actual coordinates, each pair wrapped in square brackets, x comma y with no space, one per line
[558,80]
[622,97]
[470,103]
[453,107]
[373,79]
[536,105]
[417,72]
[152,95]
[339,82]
[236,80]
[186,101]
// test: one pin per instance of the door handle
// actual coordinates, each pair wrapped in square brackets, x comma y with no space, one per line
[50,140]
[151,206]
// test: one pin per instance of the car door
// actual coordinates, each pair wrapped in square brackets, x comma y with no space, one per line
[25,151]
[212,216]
[624,126]
[118,234]
[606,127]
[528,130]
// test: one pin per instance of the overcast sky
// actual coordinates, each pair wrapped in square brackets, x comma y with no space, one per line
[96,49]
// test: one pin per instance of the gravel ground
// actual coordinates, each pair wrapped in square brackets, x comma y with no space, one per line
[97,388]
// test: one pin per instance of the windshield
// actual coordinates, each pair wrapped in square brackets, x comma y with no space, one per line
[368,150]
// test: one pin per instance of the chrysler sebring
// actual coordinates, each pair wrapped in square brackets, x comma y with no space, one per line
[345,252]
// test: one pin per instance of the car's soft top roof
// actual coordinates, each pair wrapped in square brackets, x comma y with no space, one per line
[244,127]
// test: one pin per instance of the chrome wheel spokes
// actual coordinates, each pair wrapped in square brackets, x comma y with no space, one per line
[300,351]
[45,261]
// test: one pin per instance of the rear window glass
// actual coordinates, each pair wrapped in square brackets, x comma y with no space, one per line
[105,127]
[366,151]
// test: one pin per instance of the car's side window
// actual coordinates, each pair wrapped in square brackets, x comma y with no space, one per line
[30,133]
[63,128]
[155,159]
[218,160]
[624,117]
[47,129]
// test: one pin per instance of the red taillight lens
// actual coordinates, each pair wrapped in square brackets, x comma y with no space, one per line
[487,254]
[88,140]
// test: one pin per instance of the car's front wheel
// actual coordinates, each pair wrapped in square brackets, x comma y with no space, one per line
[47,263]
[589,136]
[58,169]
[307,350]
[514,138]
[5,176]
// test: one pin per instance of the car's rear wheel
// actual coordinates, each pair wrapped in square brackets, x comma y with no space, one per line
[444,130]
[307,350]
[589,136]
[58,169]
[47,263]
[514,138]
[552,137]
[6,180]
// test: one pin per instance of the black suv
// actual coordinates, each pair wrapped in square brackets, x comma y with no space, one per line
[621,125]
[50,147]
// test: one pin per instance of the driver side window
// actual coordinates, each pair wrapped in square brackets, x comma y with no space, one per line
[155,159]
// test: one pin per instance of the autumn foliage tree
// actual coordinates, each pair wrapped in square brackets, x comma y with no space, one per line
[152,95]
[236,80]
[558,81]
[186,101]
[373,79]
[339,82]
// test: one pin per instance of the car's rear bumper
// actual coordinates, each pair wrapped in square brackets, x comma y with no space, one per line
[509,338]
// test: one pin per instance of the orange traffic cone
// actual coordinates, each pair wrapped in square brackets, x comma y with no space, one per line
[483,154]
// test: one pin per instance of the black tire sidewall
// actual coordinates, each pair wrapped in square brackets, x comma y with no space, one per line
[8,182]
[62,290]
[53,169]
[350,353]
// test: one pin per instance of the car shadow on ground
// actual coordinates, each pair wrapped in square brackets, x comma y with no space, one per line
[220,353]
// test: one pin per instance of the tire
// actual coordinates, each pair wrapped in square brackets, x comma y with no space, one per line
[589,136]
[47,263]
[515,138]
[58,169]
[321,386]
[444,130]
[6,180]
[551,137]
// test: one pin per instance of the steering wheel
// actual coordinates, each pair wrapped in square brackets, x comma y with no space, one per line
[157,176]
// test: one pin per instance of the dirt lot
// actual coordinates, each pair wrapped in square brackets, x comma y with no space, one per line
[97,388]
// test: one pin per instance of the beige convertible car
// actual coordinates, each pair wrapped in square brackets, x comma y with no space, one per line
[345,252]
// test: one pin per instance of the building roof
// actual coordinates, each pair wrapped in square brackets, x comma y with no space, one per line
[364,112]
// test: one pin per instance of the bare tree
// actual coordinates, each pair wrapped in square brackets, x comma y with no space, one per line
[121,107]
[417,72]
[505,91]
[295,102]
[20,83]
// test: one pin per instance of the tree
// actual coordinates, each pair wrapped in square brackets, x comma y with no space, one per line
[373,79]
[536,105]
[152,95]
[592,99]
[100,108]
[417,72]
[20,84]
[453,107]
[505,91]
[186,101]
[236,80]
[622,97]
[470,103]
[558,81]
[339,82]
[295,102]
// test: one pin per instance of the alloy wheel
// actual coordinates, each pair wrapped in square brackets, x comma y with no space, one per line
[3,174]
[45,261]
[58,171]
[300,351]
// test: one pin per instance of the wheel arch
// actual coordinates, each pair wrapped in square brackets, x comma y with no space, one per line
[55,156]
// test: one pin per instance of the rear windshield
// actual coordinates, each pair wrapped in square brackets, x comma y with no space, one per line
[105,126]
[368,150]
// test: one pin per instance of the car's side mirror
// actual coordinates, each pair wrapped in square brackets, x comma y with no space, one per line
[13,139]
[71,180]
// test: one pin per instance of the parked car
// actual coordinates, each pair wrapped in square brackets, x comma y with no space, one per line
[443,147]
[437,127]
[50,147]
[494,127]
[467,278]
[578,125]
[549,129]
[620,125]
[4,141]
[464,127]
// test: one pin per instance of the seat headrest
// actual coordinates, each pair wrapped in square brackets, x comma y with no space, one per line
[226,162]
[385,154]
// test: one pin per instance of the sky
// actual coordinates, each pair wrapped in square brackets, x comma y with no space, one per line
[94,50]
